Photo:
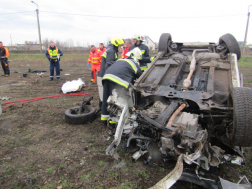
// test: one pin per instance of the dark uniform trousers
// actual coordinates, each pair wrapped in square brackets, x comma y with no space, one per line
[54,64]
[5,66]
[108,87]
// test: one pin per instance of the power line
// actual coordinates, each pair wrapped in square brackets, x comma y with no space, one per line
[103,16]
[138,17]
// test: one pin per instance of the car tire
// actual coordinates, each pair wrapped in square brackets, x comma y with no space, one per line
[231,43]
[79,118]
[164,41]
[241,134]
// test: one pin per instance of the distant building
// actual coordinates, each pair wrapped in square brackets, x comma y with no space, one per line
[147,41]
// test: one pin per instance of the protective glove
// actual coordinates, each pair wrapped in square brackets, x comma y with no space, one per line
[152,58]
[88,64]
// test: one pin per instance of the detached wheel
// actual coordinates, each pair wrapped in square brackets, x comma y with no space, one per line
[164,41]
[241,134]
[231,44]
[73,118]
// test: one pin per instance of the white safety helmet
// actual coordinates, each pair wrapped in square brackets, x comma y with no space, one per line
[135,53]
[137,37]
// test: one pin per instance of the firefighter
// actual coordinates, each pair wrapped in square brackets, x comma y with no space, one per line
[53,54]
[108,58]
[95,59]
[4,53]
[146,60]
[126,48]
[118,76]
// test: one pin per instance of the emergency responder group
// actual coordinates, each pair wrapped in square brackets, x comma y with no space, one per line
[114,73]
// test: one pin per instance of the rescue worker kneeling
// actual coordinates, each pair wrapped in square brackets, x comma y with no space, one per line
[118,76]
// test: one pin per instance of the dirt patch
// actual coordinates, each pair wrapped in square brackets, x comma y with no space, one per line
[38,149]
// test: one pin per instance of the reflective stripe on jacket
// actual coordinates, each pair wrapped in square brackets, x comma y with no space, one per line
[94,57]
[53,53]
[123,72]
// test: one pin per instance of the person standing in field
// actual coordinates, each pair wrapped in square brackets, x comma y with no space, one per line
[126,48]
[95,59]
[4,53]
[101,49]
[53,54]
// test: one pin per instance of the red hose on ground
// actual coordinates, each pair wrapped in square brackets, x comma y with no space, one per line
[12,103]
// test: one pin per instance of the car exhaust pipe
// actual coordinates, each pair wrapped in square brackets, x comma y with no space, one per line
[187,82]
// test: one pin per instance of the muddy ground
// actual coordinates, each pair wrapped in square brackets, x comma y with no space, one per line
[38,149]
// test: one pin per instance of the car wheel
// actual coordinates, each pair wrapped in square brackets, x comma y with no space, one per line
[241,134]
[231,44]
[164,41]
[73,118]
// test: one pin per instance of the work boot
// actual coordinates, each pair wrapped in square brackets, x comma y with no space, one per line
[104,123]
[6,75]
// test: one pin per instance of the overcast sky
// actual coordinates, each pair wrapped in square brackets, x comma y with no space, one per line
[185,20]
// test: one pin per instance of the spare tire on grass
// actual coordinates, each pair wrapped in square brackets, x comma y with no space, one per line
[241,134]
[73,118]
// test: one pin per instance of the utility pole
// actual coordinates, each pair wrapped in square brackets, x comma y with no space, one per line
[37,10]
[246,32]
[11,40]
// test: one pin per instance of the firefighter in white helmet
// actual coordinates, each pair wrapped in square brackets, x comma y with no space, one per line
[137,41]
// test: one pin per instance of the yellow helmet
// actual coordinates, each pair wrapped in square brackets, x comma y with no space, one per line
[117,41]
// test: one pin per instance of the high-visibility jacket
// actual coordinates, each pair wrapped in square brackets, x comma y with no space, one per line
[94,57]
[101,51]
[123,72]
[53,52]
[4,52]
[124,52]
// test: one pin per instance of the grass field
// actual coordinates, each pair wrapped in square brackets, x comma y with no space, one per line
[38,149]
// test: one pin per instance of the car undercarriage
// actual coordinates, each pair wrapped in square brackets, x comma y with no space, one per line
[189,105]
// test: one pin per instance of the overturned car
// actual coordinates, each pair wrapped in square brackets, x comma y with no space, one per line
[190,104]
